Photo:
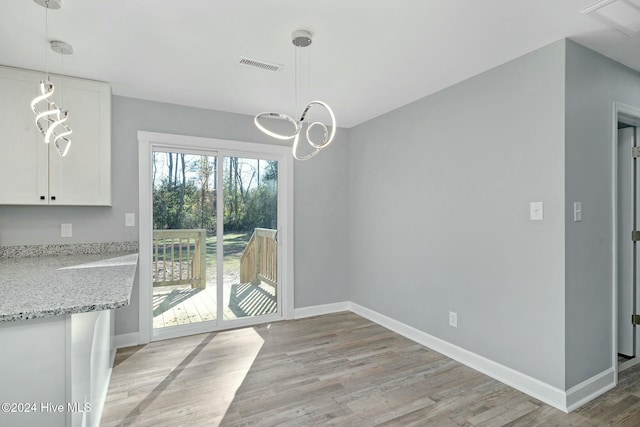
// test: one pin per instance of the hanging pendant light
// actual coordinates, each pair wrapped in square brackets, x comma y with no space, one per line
[301,39]
[50,119]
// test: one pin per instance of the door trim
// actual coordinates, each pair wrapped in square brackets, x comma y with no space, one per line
[150,141]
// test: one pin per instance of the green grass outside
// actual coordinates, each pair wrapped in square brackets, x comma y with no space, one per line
[233,246]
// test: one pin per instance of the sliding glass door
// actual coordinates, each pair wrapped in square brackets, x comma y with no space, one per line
[214,245]
[184,246]
[250,273]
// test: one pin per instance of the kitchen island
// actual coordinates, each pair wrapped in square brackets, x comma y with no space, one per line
[57,335]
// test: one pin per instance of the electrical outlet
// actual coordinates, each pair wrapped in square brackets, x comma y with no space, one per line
[66,230]
[453,319]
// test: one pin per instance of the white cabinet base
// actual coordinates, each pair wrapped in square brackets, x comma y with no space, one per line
[57,369]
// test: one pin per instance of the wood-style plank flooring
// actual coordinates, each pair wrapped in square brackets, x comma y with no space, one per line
[335,370]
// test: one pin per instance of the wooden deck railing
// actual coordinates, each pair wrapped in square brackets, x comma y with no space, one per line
[259,261]
[180,258]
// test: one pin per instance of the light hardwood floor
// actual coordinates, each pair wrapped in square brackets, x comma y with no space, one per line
[335,370]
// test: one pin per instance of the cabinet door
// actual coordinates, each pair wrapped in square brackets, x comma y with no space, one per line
[24,171]
[33,368]
[83,176]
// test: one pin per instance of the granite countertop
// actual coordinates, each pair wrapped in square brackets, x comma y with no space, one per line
[36,287]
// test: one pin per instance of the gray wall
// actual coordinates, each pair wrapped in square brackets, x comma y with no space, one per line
[319,185]
[438,214]
[321,228]
[593,84]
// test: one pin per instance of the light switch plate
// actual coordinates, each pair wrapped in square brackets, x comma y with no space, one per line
[66,230]
[130,220]
[536,211]
[577,211]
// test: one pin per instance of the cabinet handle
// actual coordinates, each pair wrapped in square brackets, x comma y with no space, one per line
[42,197]
[53,197]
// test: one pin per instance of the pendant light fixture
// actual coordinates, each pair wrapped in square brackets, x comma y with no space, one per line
[302,39]
[50,119]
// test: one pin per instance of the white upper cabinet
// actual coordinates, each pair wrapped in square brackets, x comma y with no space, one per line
[33,173]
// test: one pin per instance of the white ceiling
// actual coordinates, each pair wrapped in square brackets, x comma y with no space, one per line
[367,57]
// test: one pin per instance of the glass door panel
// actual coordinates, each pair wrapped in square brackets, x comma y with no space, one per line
[184,246]
[250,278]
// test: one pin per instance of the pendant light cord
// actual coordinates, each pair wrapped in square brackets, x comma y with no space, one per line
[62,81]
[46,38]
[299,78]
[295,81]
[308,71]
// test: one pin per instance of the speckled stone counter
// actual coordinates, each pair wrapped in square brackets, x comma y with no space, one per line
[22,251]
[45,286]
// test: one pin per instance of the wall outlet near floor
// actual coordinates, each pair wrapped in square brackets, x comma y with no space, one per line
[66,230]
[130,220]
[453,319]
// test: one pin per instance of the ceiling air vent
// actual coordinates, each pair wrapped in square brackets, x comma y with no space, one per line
[260,65]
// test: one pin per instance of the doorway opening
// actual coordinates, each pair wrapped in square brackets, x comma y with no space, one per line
[215,235]
[626,236]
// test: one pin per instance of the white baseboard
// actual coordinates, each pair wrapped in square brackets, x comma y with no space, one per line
[319,310]
[590,389]
[628,364]
[533,387]
[127,340]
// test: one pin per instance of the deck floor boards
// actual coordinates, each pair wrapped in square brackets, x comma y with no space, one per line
[180,305]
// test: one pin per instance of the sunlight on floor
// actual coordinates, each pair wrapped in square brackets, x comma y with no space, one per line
[229,356]
[235,365]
